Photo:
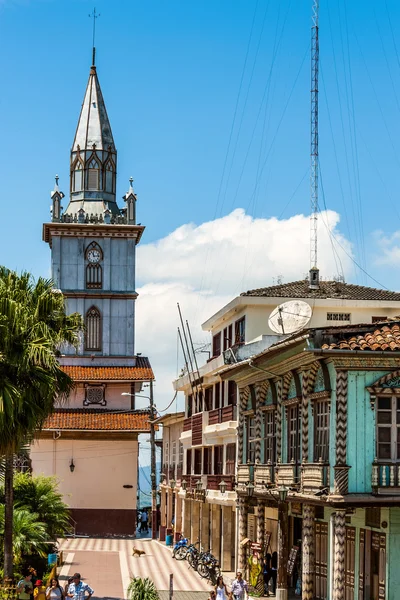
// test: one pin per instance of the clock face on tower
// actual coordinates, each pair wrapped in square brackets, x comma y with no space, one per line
[93,256]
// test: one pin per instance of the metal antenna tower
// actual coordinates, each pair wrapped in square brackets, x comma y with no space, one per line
[314,272]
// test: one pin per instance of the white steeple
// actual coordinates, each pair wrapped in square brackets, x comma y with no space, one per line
[93,157]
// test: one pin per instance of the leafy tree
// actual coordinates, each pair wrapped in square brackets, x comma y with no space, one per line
[142,589]
[33,325]
[29,534]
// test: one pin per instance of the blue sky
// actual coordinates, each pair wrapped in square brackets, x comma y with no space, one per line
[209,104]
[170,73]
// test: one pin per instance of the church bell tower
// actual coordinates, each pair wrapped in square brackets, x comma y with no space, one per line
[91,443]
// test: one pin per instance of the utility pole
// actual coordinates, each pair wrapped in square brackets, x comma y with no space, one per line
[153,466]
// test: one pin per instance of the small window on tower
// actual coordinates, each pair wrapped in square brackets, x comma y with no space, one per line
[93,329]
[93,175]
[77,177]
[110,177]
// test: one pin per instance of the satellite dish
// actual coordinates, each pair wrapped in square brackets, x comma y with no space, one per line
[290,317]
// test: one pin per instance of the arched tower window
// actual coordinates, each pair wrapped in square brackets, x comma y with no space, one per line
[93,181]
[94,270]
[110,177]
[77,177]
[93,329]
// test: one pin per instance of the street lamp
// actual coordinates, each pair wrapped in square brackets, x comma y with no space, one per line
[283,492]
[199,485]
[184,485]
[172,484]
[222,486]
[163,477]
[250,489]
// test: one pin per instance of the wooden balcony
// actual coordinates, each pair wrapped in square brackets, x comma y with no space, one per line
[287,474]
[243,476]
[222,415]
[314,476]
[264,475]
[213,482]
[197,429]
[385,478]
[187,424]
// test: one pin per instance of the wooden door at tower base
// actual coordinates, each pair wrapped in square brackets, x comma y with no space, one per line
[321,561]
[350,555]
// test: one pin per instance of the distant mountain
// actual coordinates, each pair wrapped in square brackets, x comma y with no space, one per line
[144,490]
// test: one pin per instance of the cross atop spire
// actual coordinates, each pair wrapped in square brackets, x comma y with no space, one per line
[94,16]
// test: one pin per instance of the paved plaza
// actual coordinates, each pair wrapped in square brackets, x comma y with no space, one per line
[108,565]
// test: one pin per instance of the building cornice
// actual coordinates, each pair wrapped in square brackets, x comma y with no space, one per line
[93,230]
[100,294]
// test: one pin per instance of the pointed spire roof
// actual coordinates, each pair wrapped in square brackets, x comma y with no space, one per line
[93,126]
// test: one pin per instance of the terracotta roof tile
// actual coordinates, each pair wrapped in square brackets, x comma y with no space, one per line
[142,372]
[327,289]
[386,337]
[98,420]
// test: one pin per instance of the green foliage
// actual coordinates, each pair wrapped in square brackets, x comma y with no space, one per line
[39,494]
[142,589]
[29,534]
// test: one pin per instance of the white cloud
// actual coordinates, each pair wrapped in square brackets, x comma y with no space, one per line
[204,266]
[389,246]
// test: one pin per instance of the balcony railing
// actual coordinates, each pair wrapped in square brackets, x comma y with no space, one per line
[264,475]
[222,415]
[314,476]
[287,474]
[213,481]
[386,477]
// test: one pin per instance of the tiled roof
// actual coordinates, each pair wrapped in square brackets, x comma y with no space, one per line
[385,337]
[142,372]
[97,420]
[327,289]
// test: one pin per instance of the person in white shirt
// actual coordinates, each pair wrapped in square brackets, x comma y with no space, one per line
[54,591]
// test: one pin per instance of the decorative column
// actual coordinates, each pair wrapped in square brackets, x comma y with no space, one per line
[243,399]
[304,418]
[163,522]
[279,421]
[216,531]
[178,516]
[308,552]
[261,394]
[205,526]
[195,522]
[339,555]
[170,497]
[341,467]
[243,511]
[260,522]
[283,552]
[227,539]
[187,515]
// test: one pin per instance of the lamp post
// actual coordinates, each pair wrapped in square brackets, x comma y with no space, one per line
[152,459]
[283,554]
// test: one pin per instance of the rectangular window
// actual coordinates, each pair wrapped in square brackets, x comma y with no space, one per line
[190,405]
[93,179]
[240,331]
[207,463]
[321,430]
[77,180]
[217,395]
[232,393]
[208,398]
[294,431]
[269,436]
[335,316]
[197,462]
[166,453]
[388,425]
[373,517]
[180,454]
[227,341]
[188,462]
[216,345]
[230,459]
[378,319]
[251,443]
[218,460]
[173,455]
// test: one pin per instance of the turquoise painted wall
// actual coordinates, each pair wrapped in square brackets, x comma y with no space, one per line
[393,555]
[360,430]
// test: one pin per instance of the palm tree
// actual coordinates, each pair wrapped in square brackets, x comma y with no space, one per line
[39,494]
[142,589]
[29,534]
[33,325]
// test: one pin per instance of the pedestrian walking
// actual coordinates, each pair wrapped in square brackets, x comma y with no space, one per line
[54,590]
[144,521]
[78,589]
[25,587]
[39,592]
[220,589]
[274,570]
[239,587]
[267,573]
